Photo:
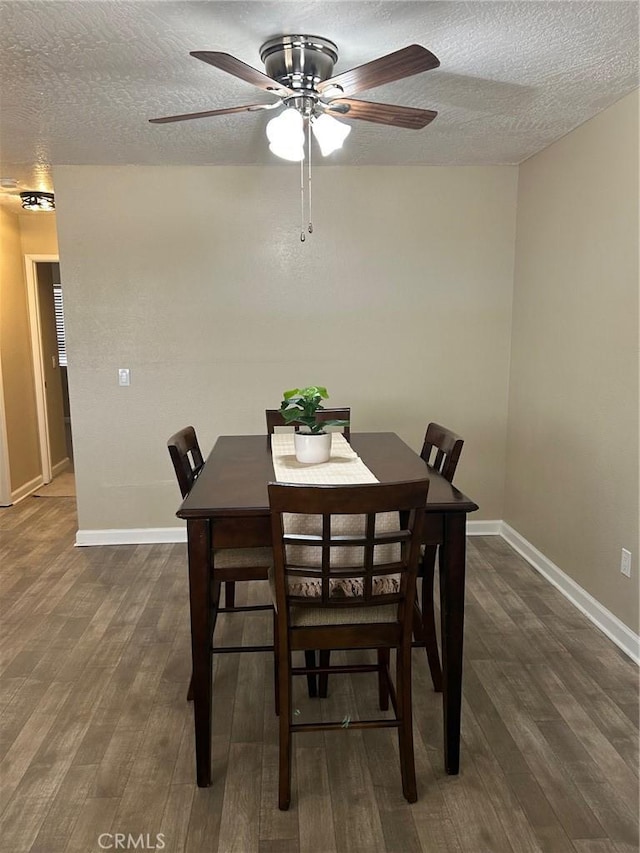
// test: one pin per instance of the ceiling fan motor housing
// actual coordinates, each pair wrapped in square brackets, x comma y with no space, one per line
[299,62]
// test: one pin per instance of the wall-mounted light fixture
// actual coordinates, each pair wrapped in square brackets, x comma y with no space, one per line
[36,200]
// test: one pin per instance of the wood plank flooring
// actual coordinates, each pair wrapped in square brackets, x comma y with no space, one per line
[96,735]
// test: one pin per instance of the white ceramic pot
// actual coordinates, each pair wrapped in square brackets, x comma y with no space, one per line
[312,447]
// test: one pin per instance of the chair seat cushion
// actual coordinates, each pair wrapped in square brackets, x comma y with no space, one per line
[303,617]
[308,587]
[342,587]
[242,558]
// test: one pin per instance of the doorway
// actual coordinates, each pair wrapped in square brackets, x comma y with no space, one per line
[46,313]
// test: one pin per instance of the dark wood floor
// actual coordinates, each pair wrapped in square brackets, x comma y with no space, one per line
[96,735]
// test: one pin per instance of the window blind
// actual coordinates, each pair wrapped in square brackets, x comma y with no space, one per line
[59,311]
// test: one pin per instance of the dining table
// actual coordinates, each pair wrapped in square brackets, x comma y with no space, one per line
[228,506]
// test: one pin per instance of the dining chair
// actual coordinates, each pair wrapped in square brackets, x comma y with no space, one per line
[441,451]
[275,419]
[231,564]
[358,594]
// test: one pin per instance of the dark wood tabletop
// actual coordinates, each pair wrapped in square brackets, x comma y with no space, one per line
[235,477]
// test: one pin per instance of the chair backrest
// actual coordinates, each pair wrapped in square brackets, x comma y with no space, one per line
[343,546]
[186,457]
[447,446]
[275,419]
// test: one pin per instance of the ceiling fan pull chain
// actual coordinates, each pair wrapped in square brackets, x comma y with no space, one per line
[310,226]
[302,234]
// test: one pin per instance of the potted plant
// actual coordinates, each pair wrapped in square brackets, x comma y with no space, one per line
[299,406]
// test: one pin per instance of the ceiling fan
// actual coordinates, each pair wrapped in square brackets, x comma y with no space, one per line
[298,72]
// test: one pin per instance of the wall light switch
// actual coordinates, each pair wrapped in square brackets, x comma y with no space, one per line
[625,563]
[124,377]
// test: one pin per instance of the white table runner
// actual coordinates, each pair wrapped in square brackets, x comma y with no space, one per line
[344,468]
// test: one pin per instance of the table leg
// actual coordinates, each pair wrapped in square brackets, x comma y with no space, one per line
[452,575]
[199,549]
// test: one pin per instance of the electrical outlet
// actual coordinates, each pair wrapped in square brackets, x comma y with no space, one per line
[124,377]
[625,563]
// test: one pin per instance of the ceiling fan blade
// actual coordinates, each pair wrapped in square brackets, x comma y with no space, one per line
[394,66]
[382,113]
[228,63]
[249,108]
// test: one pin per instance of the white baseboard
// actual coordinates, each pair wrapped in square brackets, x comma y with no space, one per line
[158,535]
[609,624]
[59,467]
[33,485]
[27,489]
[132,536]
[483,528]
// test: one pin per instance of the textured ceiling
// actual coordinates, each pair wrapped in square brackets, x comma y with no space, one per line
[78,80]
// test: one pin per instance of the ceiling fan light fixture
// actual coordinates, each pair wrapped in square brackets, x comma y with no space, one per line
[36,200]
[329,133]
[285,133]
[294,153]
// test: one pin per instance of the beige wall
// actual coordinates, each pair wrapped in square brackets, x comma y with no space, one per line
[38,233]
[572,460]
[15,358]
[196,280]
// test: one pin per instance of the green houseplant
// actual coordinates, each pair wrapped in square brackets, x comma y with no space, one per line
[299,406]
